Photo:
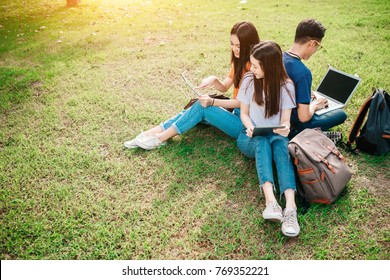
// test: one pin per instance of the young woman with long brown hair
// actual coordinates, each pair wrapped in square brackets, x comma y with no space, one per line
[267,97]
[207,109]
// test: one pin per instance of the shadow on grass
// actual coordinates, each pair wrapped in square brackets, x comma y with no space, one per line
[206,160]
[17,85]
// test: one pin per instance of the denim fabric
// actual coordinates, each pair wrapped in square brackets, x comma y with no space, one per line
[324,121]
[229,123]
[265,149]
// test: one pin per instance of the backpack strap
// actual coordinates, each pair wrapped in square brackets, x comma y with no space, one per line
[357,124]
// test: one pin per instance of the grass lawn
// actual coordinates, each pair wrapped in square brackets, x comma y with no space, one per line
[76,83]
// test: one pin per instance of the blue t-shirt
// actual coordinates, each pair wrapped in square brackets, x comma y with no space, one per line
[302,78]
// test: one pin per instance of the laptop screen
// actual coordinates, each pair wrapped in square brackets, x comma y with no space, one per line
[338,85]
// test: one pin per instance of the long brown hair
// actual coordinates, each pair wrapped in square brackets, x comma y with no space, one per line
[247,35]
[269,55]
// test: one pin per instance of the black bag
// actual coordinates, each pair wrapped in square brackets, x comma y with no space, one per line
[374,137]
[216,96]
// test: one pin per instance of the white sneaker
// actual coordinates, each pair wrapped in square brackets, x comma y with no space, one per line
[150,142]
[273,212]
[290,226]
[132,144]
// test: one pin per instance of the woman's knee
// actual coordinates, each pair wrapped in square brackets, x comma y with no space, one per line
[246,145]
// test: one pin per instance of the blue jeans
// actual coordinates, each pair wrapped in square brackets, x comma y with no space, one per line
[265,149]
[324,121]
[229,123]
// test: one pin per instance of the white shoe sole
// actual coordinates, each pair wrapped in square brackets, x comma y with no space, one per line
[288,234]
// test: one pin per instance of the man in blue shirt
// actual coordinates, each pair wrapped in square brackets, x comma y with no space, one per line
[308,38]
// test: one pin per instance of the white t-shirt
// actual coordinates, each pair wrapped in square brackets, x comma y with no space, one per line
[256,112]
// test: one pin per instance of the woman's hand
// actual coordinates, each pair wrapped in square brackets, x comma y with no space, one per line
[205,100]
[207,82]
[283,131]
[249,132]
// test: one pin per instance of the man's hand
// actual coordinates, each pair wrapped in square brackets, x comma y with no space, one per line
[320,103]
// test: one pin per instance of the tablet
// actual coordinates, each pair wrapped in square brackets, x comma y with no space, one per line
[265,130]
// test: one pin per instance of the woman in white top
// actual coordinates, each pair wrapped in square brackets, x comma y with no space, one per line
[267,97]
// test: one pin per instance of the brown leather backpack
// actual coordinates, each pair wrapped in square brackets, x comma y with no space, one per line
[322,170]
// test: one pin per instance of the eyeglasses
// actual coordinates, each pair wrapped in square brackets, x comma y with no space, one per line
[319,45]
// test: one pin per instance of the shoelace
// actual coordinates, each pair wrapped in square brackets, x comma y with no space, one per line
[147,138]
[141,135]
[274,207]
[289,218]
[152,140]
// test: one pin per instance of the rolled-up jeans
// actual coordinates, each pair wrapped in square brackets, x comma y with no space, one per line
[265,149]
[229,123]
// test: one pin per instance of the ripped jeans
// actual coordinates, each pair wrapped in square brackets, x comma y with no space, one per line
[265,149]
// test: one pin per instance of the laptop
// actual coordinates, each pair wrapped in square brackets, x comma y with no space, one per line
[337,87]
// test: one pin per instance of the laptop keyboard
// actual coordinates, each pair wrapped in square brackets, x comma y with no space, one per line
[331,103]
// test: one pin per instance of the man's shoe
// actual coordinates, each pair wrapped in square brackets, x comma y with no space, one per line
[290,226]
[335,136]
[150,142]
[273,212]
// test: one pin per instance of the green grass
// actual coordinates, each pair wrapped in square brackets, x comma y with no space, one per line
[76,83]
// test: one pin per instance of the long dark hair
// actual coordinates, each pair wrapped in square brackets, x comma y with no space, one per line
[269,55]
[247,35]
